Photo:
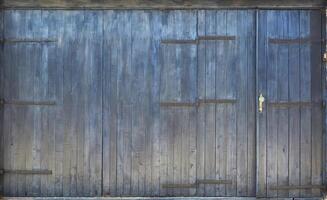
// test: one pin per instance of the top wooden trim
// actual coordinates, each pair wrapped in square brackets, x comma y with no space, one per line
[159,4]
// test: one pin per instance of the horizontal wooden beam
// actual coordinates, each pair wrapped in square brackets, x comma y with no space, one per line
[160,4]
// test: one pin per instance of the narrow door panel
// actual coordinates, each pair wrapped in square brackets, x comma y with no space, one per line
[290,126]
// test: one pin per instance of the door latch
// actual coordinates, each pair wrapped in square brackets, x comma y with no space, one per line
[261,101]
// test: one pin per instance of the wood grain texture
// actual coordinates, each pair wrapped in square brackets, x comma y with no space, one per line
[291,74]
[148,4]
[113,110]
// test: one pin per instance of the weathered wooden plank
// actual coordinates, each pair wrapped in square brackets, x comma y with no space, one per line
[272,90]
[251,106]
[110,99]
[261,135]
[56,85]
[126,109]
[283,95]
[231,92]
[147,4]
[140,45]
[201,75]
[241,107]
[316,95]
[210,110]
[220,90]
[305,95]
[294,95]
[154,95]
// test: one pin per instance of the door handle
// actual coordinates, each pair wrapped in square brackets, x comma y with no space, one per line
[261,101]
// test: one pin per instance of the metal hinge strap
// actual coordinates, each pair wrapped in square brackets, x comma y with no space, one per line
[197,183]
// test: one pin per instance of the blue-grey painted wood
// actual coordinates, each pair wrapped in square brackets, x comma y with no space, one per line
[221,126]
[109,71]
[65,138]
[289,72]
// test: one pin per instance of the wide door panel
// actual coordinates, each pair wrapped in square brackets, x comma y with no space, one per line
[290,126]
[52,103]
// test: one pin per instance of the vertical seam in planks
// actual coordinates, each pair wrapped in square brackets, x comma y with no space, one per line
[102,96]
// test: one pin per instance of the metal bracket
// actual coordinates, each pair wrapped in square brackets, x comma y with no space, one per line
[26,172]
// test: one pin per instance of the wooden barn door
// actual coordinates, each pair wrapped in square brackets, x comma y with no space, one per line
[289,143]
[179,103]
[51,142]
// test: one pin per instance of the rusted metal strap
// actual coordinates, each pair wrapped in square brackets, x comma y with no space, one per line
[293,41]
[27,103]
[285,104]
[27,40]
[26,172]
[297,187]
[214,182]
[196,41]
[197,183]
[198,102]
[216,101]
[179,186]
[217,37]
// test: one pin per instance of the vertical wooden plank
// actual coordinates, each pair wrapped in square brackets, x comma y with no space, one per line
[316,96]
[188,94]
[110,101]
[210,109]
[283,113]
[231,162]
[201,91]
[154,92]
[251,98]
[305,95]
[70,99]
[140,167]
[94,22]
[241,107]
[220,88]
[272,115]
[53,21]
[294,95]
[261,136]
[124,90]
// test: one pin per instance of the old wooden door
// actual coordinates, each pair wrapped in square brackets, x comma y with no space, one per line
[179,103]
[52,103]
[290,126]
